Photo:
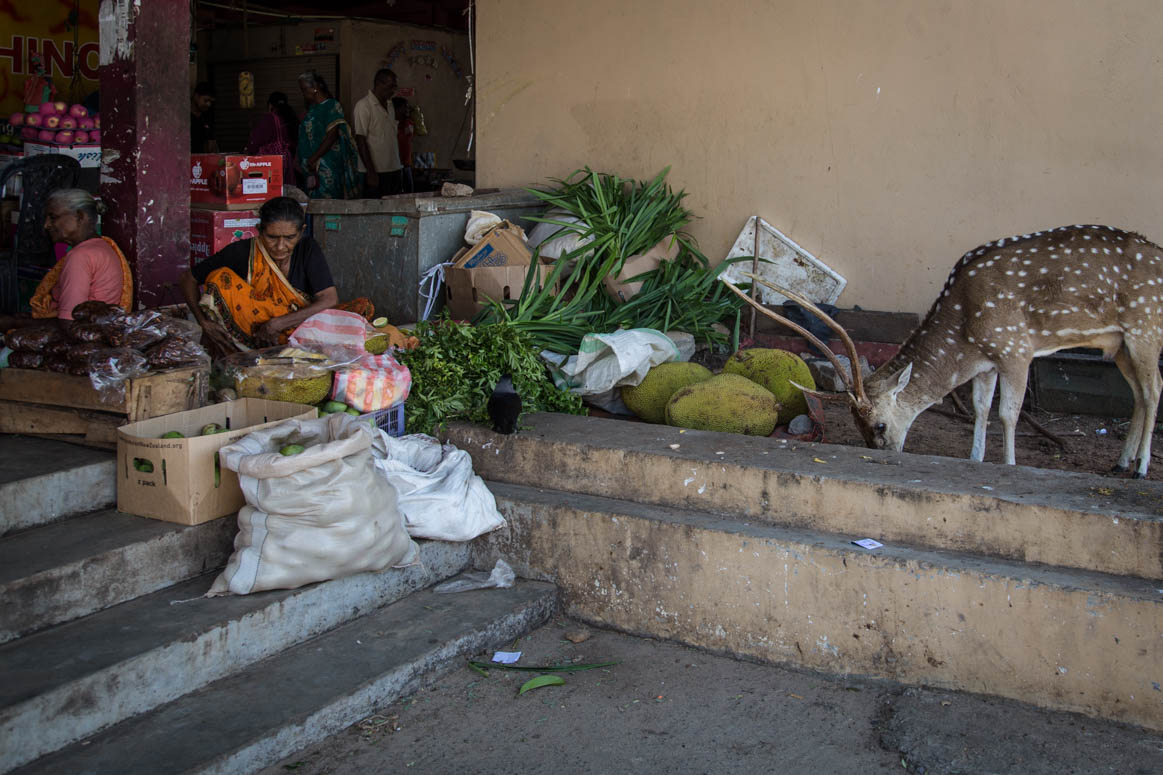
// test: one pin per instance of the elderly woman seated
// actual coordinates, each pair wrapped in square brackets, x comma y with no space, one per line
[256,291]
[94,269]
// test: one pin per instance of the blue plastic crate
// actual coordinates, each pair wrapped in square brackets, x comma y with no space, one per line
[390,420]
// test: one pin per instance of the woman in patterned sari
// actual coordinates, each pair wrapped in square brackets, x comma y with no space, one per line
[326,148]
[256,291]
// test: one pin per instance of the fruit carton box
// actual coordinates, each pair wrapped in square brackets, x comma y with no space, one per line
[179,479]
[212,230]
[225,181]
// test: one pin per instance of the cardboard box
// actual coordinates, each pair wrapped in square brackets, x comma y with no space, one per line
[181,487]
[89,156]
[504,245]
[225,181]
[212,230]
[622,291]
[466,290]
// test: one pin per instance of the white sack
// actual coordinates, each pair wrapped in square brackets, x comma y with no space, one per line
[322,514]
[555,239]
[438,492]
[479,224]
[606,361]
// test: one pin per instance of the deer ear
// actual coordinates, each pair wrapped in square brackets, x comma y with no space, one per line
[902,380]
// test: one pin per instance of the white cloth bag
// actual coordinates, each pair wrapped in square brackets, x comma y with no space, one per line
[438,492]
[321,514]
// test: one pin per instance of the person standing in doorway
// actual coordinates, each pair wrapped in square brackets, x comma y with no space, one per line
[375,136]
[405,129]
[201,130]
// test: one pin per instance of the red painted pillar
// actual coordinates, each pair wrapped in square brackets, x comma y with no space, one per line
[145,140]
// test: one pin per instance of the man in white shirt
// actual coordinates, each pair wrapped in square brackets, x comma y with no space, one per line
[375,137]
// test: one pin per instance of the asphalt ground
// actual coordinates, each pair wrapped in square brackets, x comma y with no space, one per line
[667,708]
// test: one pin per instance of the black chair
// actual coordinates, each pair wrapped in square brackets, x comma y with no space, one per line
[32,249]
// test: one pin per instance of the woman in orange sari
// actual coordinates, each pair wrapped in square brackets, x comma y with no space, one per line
[94,269]
[256,291]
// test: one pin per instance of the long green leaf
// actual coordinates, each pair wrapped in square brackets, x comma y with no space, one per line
[539,681]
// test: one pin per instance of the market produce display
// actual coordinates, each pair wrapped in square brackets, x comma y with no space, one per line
[55,123]
[775,370]
[649,398]
[107,344]
[725,402]
[455,367]
[614,219]
[280,374]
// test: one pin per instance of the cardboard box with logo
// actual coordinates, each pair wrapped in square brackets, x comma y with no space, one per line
[618,286]
[494,268]
[212,230]
[177,480]
[223,181]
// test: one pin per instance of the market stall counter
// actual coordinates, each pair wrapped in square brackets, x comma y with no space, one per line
[382,248]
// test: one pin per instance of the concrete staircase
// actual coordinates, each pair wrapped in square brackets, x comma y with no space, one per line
[112,662]
[1041,586]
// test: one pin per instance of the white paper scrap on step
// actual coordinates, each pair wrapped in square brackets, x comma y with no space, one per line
[868,543]
[507,657]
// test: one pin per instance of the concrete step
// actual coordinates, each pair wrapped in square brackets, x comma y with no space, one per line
[275,707]
[1014,512]
[68,569]
[1058,638]
[64,683]
[43,480]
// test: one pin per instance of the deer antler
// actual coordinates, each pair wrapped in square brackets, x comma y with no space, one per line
[805,333]
[857,379]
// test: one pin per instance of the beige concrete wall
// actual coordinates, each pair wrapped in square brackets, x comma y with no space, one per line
[884,136]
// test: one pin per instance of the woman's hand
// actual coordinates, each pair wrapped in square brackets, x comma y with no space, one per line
[270,332]
[217,334]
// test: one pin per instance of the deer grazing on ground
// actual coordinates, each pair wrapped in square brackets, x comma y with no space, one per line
[1004,304]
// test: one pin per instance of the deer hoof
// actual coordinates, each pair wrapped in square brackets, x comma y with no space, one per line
[1119,469]
[1137,475]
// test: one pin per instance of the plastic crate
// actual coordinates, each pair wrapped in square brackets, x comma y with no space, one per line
[390,420]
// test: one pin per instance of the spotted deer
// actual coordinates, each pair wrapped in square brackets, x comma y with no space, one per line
[1004,304]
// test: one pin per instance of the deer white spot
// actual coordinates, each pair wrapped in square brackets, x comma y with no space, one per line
[988,304]
[972,272]
[1043,270]
[1022,273]
[1068,251]
[1138,256]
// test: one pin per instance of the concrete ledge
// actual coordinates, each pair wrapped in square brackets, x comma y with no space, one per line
[1014,512]
[1064,639]
[65,683]
[43,480]
[63,571]
[283,704]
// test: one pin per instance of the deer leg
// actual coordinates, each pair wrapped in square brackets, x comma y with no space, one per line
[983,387]
[1145,364]
[1009,407]
[1135,431]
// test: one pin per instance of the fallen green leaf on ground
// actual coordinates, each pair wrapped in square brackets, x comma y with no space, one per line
[539,681]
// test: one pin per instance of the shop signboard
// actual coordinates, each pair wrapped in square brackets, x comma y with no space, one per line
[36,39]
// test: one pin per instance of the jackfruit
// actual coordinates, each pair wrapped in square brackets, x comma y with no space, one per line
[648,398]
[376,344]
[775,370]
[389,336]
[297,383]
[726,402]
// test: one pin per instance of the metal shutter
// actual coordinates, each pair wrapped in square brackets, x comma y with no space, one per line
[231,123]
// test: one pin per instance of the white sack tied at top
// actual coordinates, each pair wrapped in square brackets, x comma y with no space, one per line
[321,514]
[439,494]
